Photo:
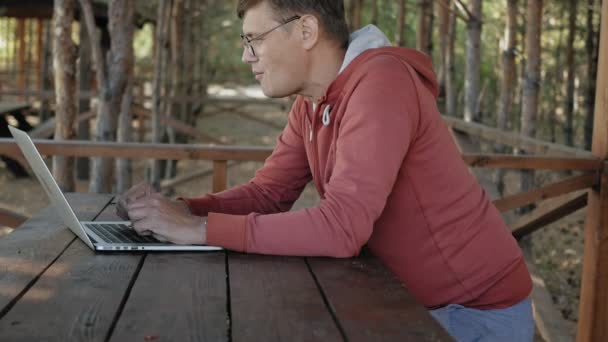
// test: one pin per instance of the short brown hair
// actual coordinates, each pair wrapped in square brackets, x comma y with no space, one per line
[330,13]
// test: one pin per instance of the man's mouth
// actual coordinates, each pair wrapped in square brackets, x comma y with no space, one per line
[258,75]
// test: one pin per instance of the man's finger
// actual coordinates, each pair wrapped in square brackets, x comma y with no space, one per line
[122,212]
[142,227]
[137,212]
[160,238]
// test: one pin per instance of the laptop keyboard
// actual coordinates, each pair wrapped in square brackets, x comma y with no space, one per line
[119,233]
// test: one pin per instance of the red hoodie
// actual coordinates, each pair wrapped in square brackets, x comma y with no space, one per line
[389,176]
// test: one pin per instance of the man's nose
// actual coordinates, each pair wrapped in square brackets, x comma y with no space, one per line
[248,57]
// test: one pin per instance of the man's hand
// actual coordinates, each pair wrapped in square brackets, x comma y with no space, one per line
[169,220]
[137,192]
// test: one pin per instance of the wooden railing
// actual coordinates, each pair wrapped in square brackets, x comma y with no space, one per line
[220,155]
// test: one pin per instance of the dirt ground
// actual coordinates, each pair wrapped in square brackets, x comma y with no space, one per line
[557,249]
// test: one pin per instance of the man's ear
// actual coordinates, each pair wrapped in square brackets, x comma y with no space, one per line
[309,25]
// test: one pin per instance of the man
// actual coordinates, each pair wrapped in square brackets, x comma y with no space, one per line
[366,130]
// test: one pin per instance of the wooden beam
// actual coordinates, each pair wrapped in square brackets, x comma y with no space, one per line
[593,307]
[220,175]
[532,222]
[177,125]
[10,218]
[508,161]
[260,120]
[496,135]
[46,129]
[171,183]
[79,148]
[552,190]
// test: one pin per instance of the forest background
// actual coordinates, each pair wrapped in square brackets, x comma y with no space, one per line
[522,66]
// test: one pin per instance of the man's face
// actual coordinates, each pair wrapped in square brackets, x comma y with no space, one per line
[277,63]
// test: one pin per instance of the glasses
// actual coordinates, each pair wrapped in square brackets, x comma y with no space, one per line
[248,40]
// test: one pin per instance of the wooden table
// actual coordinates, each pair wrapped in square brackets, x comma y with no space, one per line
[54,288]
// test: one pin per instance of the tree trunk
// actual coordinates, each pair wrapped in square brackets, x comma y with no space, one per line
[422,32]
[39,51]
[20,32]
[557,82]
[473,59]
[355,14]
[507,84]
[187,70]
[450,85]
[111,79]
[123,166]
[177,75]
[64,64]
[374,12]
[570,65]
[400,34]
[443,14]
[84,84]
[46,71]
[160,57]
[532,79]
[509,71]
[203,45]
[591,47]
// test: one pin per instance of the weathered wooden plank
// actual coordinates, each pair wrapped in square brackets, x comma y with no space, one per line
[496,135]
[171,183]
[29,250]
[46,129]
[531,162]
[276,299]
[177,297]
[79,148]
[177,125]
[552,190]
[530,223]
[260,120]
[386,313]
[76,298]
[11,218]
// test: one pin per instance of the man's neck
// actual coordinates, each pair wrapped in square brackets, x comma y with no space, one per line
[325,68]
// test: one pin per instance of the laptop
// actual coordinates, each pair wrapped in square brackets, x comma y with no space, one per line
[99,236]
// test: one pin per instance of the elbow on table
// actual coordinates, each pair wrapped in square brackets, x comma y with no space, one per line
[349,249]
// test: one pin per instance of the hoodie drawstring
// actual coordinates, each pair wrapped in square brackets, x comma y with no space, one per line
[326,118]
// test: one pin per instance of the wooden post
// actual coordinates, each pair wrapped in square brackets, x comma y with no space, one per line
[220,175]
[593,308]
[20,54]
[39,51]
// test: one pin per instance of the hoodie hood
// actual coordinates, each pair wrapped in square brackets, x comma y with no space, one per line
[370,41]
[369,37]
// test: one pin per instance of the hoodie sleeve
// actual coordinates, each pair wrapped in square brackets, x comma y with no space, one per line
[374,137]
[275,187]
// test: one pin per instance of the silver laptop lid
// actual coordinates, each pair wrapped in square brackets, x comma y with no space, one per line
[47,181]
